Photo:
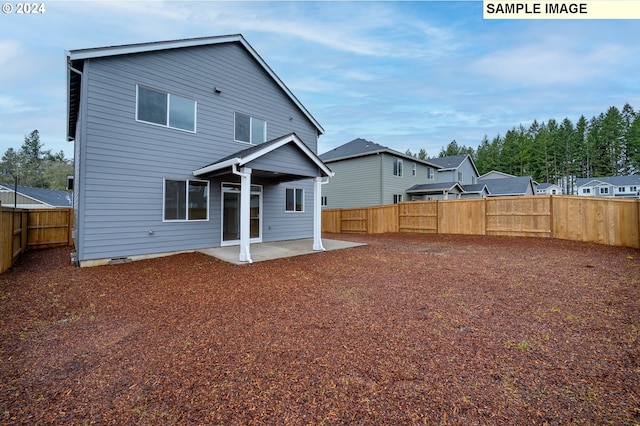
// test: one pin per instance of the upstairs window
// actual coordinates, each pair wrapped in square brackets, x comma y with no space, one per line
[414,169]
[430,173]
[397,167]
[166,109]
[460,176]
[250,129]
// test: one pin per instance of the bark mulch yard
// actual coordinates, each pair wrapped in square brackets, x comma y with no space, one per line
[410,329]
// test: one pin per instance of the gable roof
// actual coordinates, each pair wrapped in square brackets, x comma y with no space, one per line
[361,147]
[453,162]
[494,174]
[50,197]
[509,186]
[476,188]
[74,80]
[433,188]
[242,157]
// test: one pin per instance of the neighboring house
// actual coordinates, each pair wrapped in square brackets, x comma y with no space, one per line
[509,186]
[185,145]
[457,177]
[456,168]
[34,198]
[548,189]
[369,174]
[616,186]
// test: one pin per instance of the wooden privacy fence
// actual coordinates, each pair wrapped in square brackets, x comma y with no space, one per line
[592,219]
[23,229]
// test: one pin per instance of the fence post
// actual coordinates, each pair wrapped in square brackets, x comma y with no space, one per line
[70,225]
[486,216]
[551,218]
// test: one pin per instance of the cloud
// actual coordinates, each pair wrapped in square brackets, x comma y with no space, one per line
[11,105]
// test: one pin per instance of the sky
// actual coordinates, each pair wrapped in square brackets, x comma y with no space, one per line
[408,75]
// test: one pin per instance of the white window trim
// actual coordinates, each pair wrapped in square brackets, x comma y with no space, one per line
[251,118]
[294,200]
[398,167]
[167,126]
[186,181]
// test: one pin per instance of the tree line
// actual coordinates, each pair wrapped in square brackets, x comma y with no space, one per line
[561,151]
[34,166]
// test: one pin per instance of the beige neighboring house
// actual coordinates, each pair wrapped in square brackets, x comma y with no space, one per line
[34,198]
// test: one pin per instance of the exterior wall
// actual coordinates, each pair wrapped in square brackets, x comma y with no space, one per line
[399,184]
[123,162]
[7,199]
[356,183]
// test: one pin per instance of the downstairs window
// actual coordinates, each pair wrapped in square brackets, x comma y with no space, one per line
[185,200]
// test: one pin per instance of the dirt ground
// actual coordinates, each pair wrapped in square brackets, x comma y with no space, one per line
[410,329]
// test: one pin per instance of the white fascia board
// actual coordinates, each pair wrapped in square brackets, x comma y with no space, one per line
[150,47]
[217,166]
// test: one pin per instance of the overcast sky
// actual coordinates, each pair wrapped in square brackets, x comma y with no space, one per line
[407,75]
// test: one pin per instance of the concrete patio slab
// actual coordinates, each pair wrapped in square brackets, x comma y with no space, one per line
[275,250]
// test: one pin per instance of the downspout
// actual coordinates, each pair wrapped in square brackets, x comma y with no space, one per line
[245,205]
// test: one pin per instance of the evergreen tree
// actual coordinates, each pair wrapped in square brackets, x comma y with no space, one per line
[37,167]
[32,160]
[633,145]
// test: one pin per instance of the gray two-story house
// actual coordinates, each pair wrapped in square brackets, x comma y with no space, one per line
[369,174]
[185,145]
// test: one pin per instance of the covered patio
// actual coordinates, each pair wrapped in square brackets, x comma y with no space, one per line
[280,160]
[276,250]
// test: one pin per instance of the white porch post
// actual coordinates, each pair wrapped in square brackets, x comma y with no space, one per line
[245,209]
[317,213]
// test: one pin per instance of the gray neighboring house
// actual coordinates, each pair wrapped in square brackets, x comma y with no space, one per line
[456,168]
[614,186]
[457,178]
[188,144]
[34,198]
[369,174]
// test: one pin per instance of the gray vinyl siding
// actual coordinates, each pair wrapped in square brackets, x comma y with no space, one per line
[287,159]
[279,225]
[123,162]
[468,174]
[357,183]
